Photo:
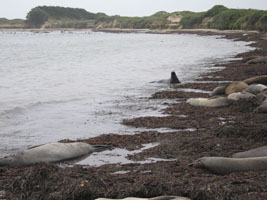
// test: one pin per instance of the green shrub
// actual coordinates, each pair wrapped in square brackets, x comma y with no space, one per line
[263,23]
[192,21]
[215,11]
[37,17]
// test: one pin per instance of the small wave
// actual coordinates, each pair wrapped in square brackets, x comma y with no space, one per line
[15,110]
[18,109]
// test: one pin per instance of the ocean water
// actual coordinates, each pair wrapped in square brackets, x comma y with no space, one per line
[58,85]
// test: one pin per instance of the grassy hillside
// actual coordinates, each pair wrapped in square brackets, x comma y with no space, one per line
[218,17]
[14,23]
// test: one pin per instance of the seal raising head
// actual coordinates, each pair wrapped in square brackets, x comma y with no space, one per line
[174,78]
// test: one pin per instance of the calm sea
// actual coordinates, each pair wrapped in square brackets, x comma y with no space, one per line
[73,85]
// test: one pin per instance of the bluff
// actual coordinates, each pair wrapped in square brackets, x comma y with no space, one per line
[218,17]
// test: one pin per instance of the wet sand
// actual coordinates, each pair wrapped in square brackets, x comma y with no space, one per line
[218,132]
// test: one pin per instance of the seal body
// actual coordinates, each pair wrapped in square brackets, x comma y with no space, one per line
[155,198]
[50,153]
[262,108]
[255,88]
[262,96]
[257,79]
[258,152]
[212,103]
[240,95]
[222,165]
[236,87]
[258,60]
[220,90]
[174,79]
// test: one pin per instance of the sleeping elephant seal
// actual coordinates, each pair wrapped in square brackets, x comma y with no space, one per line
[262,108]
[212,103]
[236,87]
[155,198]
[258,152]
[257,79]
[240,95]
[222,165]
[255,88]
[261,96]
[258,60]
[174,79]
[51,153]
[220,90]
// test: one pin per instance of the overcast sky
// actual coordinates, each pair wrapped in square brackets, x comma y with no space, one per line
[19,8]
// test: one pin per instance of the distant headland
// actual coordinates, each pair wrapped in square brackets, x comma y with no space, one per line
[218,17]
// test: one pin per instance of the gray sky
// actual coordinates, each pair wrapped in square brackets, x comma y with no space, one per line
[19,8]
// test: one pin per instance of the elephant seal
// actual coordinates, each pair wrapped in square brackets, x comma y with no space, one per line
[51,153]
[174,79]
[245,60]
[240,95]
[259,60]
[262,108]
[262,96]
[212,103]
[257,79]
[155,198]
[258,152]
[236,87]
[255,88]
[222,165]
[220,90]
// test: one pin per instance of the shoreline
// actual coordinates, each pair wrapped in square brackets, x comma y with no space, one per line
[219,132]
[158,31]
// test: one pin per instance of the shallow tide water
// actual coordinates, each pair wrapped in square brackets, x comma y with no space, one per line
[81,84]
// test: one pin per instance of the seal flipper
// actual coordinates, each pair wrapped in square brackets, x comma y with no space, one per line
[8,161]
[99,148]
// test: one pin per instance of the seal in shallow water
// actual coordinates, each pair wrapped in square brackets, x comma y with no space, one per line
[51,153]
[212,103]
[258,152]
[222,165]
[174,79]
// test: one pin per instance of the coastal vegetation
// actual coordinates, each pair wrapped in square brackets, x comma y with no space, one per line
[218,17]
[14,23]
